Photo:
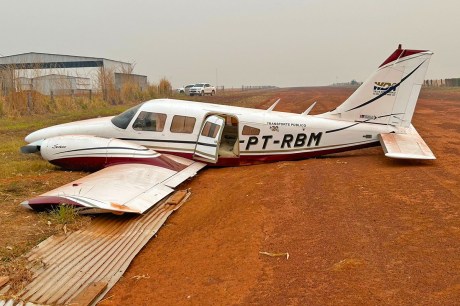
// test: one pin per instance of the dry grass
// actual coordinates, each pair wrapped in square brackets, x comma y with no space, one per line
[62,220]
[20,101]
[19,276]
[164,87]
[26,175]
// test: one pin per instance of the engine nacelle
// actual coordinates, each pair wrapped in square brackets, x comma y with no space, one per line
[83,152]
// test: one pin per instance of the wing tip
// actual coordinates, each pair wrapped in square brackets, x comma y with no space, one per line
[410,156]
[25,204]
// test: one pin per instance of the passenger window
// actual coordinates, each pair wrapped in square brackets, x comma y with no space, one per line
[147,121]
[183,124]
[210,130]
[249,130]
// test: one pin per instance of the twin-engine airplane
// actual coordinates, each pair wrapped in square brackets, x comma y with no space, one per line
[149,149]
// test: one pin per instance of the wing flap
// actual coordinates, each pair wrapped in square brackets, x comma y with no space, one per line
[405,146]
[148,198]
[132,188]
[181,176]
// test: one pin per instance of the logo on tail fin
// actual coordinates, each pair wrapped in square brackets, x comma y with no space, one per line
[381,87]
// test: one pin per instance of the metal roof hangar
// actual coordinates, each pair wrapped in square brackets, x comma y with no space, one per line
[34,60]
[11,67]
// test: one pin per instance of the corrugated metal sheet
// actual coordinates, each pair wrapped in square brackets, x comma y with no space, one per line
[64,266]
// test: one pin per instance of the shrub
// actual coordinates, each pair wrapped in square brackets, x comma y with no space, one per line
[164,87]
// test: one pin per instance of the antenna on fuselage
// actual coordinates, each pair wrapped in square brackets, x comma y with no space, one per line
[273,106]
[308,109]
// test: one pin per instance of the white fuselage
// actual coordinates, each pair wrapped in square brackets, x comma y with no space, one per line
[247,135]
[153,147]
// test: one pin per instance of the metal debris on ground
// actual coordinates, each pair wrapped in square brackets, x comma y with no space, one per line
[82,266]
[138,277]
[275,254]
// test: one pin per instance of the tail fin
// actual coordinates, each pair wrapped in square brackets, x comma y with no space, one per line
[389,95]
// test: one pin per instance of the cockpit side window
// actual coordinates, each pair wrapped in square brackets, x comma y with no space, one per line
[147,121]
[122,121]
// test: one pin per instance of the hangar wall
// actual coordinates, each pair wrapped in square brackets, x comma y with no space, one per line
[60,74]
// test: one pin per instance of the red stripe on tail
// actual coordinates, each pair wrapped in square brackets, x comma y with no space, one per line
[400,53]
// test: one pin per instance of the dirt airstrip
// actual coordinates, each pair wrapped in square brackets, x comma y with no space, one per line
[359,228]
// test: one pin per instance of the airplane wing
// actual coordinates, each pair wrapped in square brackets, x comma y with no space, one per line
[131,188]
[406,146]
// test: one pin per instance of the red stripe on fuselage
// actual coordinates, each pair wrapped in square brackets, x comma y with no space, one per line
[97,163]
[94,163]
[267,158]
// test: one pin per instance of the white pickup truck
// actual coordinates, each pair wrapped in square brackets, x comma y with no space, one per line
[202,89]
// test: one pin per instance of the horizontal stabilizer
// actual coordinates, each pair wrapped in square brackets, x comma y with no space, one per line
[405,146]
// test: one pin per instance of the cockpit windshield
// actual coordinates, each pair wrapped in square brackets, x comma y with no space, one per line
[122,121]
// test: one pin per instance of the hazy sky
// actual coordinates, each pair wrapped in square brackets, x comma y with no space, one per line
[247,42]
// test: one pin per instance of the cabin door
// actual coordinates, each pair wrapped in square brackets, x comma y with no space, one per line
[207,145]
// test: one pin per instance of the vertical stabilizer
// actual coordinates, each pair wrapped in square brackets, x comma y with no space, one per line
[389,95]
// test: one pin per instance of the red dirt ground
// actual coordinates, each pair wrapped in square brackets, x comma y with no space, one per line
[360,228]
